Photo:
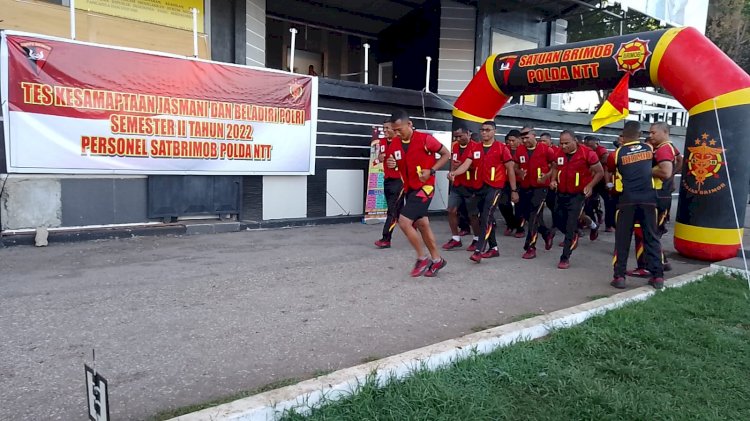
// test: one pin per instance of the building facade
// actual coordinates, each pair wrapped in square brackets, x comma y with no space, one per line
[370,56]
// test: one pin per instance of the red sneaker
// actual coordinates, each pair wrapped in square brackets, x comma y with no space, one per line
[473,246]
[508,232]
[452,244]
[490,254]
[530,253]
[564,264]
[420,267]
[520,234]
[383,244]
[619,283]
[594,234]
[639,273]
[435,267]
[548,241]
[657,283]
[476,257]
[463,233]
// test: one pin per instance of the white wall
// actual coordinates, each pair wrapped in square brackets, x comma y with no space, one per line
[345,192]
[284,196]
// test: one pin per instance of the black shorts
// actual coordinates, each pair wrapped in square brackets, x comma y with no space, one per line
[463,195]
[417,204]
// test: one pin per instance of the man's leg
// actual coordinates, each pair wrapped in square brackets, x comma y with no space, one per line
[573,208]
[663,206]
[464,219]
[624,222]
[491,201]
[415,208]
[454,202]
[551,203]
[536,225]
[610,210]
[471,202]
[509,217]
[412,235]
[640,256]
[428,237]
[393,190]
[648,215]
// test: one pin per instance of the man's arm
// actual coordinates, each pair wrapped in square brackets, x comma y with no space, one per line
[663,170]
[444,157]
[512,181]
[461,169]
[598,173]
[554,173]
[678,164]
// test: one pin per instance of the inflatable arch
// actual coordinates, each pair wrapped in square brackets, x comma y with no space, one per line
[714,90]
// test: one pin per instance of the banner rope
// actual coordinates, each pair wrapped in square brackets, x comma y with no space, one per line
[731,193]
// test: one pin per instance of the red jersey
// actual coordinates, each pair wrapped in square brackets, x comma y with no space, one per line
[601,151]
[414,156]
[492,166]
[666,151]
[385,147]
[536,162]
[575,169]
[459,155]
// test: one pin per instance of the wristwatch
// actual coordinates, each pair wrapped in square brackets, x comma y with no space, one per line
[432,171]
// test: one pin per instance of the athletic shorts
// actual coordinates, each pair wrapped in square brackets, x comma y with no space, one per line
[461,194]
[417,203]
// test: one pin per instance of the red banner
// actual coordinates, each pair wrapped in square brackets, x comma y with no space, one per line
[75,107]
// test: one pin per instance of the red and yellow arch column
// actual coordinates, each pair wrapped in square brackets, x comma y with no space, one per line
[684,62]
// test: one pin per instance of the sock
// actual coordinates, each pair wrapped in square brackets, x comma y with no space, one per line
[423,258]
[456,238]
[476,238]
[437,260]
[593,225]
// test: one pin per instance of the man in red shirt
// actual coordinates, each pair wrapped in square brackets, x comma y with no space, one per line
[577,170]
[465,156]
[393,188]
[496,169]
[413,153]
[593,204]
[512,214]
[534,162]
[551,200]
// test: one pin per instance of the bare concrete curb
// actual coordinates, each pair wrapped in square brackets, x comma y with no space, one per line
[308,394]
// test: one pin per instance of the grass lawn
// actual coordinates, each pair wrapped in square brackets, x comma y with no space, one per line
[682,355]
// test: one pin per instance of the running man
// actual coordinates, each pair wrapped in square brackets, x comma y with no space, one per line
[577,170]
[393,188]
[496,170]
[413,153]
[534,160]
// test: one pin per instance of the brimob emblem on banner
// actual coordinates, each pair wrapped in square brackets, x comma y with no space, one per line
[704,162]
[37,53]
[631,56]
[296,90]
